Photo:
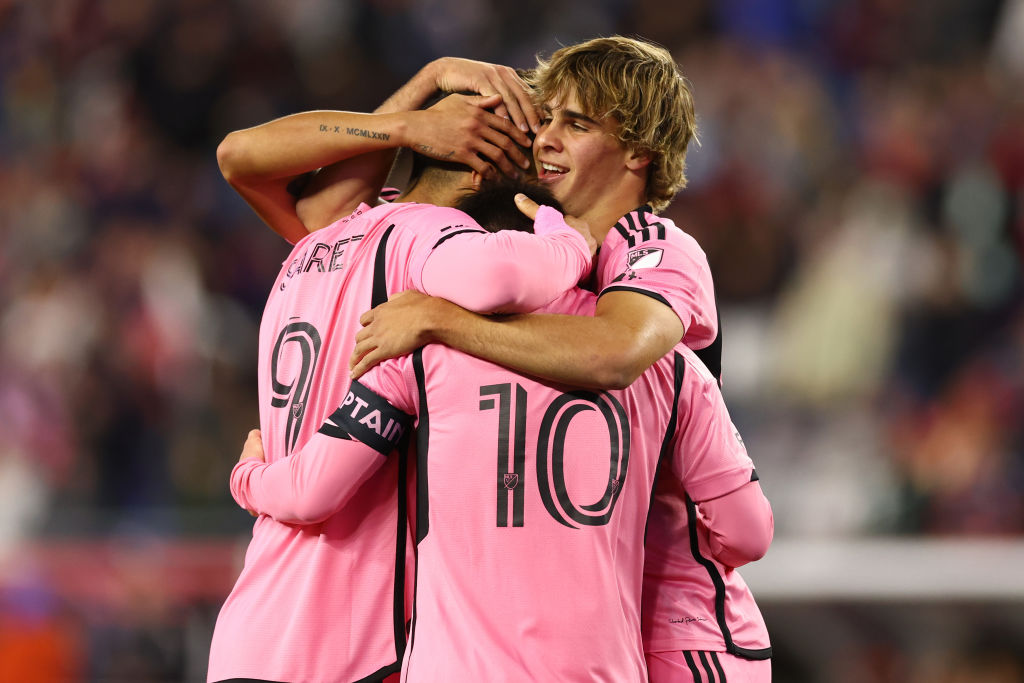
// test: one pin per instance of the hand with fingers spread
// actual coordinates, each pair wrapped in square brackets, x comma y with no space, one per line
[453,74]
[461,128]
[399,326]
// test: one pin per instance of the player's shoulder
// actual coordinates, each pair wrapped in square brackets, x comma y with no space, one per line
[427,221]
[393,379]
[695,368]
[642,228]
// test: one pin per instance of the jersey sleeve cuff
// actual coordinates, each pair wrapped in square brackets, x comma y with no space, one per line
[720,484]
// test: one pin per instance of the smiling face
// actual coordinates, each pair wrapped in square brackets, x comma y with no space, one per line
[586,167]
[640,96]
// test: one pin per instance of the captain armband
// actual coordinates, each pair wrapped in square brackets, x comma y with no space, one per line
[369,418]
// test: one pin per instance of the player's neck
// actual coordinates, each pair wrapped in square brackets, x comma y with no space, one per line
[433,193]
[603,218]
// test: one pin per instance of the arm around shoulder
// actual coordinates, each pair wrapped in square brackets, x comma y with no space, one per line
[506,271]
[310,485]
[635,332]
[605,351]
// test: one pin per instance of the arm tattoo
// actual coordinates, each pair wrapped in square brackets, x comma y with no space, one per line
[431,152]
[361,132]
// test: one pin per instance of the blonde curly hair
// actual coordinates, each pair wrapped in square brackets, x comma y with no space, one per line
[639,85]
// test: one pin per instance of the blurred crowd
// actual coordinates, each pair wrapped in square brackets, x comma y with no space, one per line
[857,187]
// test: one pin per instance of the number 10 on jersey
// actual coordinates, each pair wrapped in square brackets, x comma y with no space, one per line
[551,446]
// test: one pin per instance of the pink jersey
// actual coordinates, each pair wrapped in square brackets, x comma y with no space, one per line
[325,602]
[707,518]
[683,584]
[531,506]
[648,254]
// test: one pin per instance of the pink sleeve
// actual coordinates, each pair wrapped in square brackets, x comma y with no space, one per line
[667,265]
[506,271]
[316,480]
[308,486]
[740,525]
[709,456]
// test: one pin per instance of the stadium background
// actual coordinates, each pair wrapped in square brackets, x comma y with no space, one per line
[858,191]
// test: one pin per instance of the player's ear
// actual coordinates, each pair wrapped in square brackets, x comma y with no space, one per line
[474,179]
[637,159]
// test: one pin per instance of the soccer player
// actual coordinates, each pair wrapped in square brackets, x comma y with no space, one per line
[532,502]
[326,602]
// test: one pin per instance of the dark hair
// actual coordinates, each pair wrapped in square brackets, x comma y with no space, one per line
[493,205]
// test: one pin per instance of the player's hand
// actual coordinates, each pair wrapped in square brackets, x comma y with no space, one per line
[466,75]
[252,449]
[460,128]
[399,326]
[530,207]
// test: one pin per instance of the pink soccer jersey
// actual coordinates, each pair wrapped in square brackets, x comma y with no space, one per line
[648,254]
[684,581]
[531,505]
[324,602]
[692,600]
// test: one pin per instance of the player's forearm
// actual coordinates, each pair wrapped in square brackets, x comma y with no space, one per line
[261,162]
[292,145]
[506,271]
[308,486]
[576,350]
[740,525]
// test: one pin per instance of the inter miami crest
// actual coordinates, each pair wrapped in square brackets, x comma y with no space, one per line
[648,257]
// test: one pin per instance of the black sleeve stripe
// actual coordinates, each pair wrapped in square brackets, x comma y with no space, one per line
[642,213]
[368,417]
[645,292]
[621,229]
[753,476]
[380,281]
[422,451]
[457,232]
[631,225]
